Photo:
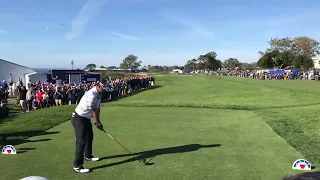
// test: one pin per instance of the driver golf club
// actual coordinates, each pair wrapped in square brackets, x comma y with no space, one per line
[143,160]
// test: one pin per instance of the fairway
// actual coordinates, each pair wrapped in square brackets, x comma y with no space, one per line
[190,127]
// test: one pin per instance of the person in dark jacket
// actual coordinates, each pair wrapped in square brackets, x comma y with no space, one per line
[23,97]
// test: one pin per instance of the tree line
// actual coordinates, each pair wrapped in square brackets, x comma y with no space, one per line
[282,53]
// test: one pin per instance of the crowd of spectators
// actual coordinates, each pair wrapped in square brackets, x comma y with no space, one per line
[271,76]
[37,95]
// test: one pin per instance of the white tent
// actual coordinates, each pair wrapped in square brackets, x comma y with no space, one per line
[35,76]
[177,71]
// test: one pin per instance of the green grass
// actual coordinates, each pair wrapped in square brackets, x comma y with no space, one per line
[195,127]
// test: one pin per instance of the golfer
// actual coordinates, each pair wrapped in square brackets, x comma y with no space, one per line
[88,108]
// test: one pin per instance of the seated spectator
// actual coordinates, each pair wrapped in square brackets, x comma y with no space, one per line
[36,104]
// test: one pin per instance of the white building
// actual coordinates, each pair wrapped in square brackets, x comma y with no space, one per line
[316,62]
[176,71]
[9,70]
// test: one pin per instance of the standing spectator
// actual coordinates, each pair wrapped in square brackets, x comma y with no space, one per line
[23,98]
[11,89]
[58,97]
[65,99]
[29,84]
[45,101]
[80,91]
[51,97]
[14,89]
[5,87]
[30,98]
[39,95]
[73,96]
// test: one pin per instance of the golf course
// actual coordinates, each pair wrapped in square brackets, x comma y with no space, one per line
[187,127]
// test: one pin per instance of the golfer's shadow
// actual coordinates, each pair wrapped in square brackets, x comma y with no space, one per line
[155,152]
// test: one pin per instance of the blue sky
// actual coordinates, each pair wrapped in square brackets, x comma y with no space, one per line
[44,34]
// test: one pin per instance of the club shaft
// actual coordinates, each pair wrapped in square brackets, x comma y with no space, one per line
[117,142]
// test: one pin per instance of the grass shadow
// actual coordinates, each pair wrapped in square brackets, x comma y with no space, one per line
[134,93]
[217,106]
[24,150]
[303,176]
[155,152]
[17,138]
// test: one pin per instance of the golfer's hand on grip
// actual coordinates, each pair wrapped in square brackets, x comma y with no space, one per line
[99,126]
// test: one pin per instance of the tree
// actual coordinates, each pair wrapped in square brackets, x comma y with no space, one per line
[287,51]
[301,45]
[211,63]
[91,66]
[266,61]
[303,61]
[306,46]
[102,67]
[191,65]
[111,67]
[281,45]
[248,66]
[207,61]
[130,62]
[231,63]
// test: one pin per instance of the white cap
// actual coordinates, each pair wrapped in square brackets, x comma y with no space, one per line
[34,178]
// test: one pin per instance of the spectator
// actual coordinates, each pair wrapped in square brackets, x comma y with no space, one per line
[4,110]
[39,95]
[58,96]
[5,87]
[36,104]
[30,98]
[45,101]
[23,97]
[11,88]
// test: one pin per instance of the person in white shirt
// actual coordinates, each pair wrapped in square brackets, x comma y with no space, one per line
[88,108]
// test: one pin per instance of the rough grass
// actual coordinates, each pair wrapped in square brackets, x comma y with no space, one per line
[228,113]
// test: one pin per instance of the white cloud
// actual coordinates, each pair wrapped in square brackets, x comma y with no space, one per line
[198,29]
[124,36]
[85,15]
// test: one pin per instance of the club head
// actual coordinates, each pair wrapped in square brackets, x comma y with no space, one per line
[143,160]
[149,164]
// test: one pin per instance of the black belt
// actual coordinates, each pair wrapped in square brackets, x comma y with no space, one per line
[77,115]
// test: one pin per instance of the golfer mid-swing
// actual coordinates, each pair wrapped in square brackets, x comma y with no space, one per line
[88,108]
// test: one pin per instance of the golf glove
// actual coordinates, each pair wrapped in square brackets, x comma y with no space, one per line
[99,126]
